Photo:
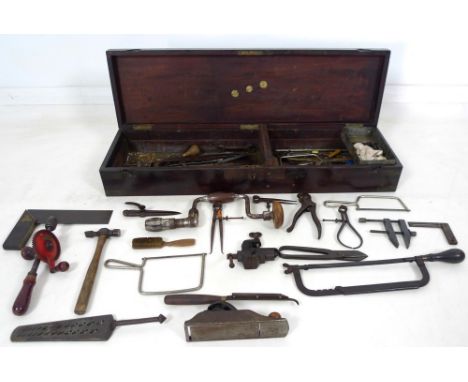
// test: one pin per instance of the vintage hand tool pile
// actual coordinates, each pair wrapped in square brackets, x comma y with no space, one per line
[221,320]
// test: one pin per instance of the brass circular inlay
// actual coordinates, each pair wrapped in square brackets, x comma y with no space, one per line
[235,93]
[249,88]
[263,84]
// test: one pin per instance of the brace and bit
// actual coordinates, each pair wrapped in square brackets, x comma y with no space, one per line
[307,205]
[274,209]
[343,210]
[217,199]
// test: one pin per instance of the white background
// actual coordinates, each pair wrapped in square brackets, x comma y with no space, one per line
[57,115]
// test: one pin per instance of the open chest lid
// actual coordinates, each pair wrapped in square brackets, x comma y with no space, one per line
[255,86]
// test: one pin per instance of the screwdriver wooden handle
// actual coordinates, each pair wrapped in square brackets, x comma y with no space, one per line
[21,304]
[191,299]
[158,242]
[88,283]
[180,243]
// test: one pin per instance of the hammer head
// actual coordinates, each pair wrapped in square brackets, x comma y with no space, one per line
[103,232]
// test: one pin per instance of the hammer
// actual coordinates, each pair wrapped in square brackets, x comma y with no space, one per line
[87,287]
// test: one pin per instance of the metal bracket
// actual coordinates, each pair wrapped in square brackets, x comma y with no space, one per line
[140,267]
[445,227]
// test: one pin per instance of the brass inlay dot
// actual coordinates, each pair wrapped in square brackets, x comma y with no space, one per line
[263,84]
[249,88]
[235,93]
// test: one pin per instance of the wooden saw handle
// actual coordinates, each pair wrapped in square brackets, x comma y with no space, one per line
[88,283]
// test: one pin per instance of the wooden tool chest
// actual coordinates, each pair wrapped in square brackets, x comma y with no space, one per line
[244,114]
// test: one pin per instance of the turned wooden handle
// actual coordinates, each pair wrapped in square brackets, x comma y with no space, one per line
[221,197]
[191,299]
[180,243]
[278,214]
[21,303]
[87,287]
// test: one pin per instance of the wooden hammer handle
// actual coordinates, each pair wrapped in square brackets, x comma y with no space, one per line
[87,287]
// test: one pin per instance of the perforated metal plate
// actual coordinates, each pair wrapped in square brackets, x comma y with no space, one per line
[97,328]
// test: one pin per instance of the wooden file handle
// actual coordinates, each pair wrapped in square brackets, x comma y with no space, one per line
[87,287]
[180,243]
[21,304]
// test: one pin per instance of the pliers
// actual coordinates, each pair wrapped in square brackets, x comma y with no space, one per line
[217,217]
[307,205]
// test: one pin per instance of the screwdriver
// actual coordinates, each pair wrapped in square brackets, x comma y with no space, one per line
[158,242]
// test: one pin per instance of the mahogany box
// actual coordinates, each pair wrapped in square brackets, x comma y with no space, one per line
[247,121]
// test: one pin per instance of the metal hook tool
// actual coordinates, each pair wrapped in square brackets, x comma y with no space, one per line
[307,205]
[343,210]
[119,264]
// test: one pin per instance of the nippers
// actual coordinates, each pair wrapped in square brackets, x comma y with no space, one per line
[307,205]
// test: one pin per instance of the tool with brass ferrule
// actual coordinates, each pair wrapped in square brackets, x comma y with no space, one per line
[158,242]
[202,299]
[217,199]
[307,205]
[390,232]
[97,328]
[452,256]
[143,212]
